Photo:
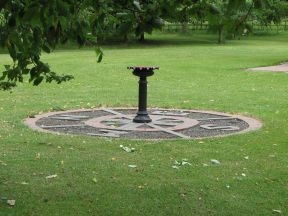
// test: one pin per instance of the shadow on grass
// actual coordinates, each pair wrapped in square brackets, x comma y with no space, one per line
[151,41]
[160,39]
[155,40]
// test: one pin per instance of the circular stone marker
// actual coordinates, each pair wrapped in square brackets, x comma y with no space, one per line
[166,123]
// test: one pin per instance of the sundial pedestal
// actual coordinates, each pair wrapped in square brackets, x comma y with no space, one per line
[161,124]
[142,72]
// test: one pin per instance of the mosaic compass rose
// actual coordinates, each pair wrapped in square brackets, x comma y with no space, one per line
[165,124]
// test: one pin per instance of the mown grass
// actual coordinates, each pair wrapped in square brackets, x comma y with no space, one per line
[195,73]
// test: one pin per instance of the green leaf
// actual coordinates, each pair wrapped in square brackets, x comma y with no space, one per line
[137,5]
[25,71]
[4,74]
[44,67]
[13,52]
[46,48]
[7,85]
[31,13]
[64,22]
[33,73]
[122,14]
[99,52]
[100,58]
[38,80]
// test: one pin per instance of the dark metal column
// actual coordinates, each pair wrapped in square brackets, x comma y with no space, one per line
[142,72]
[142,114]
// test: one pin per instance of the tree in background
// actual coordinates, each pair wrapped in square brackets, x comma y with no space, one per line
[226,16]
[135,17]
[275,13]
[183,11]
[231,16]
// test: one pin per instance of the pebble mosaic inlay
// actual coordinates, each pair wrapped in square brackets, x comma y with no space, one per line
[166,123]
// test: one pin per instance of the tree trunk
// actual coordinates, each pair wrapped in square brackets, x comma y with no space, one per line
[125,38]
[142,37]
[184,27]
[221,36]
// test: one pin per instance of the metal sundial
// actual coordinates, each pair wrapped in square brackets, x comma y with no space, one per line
[142,72]
[132,123]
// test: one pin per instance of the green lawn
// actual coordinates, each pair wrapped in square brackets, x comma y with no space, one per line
[195,73]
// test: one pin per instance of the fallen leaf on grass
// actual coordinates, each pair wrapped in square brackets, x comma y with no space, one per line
[11,202]
[277,211]
[272,156]
[185,163]
[37,156]
[132,166]
[178,164]
[127,149]
[24,183]
[214,161]
[51,176]
[182,194]
[94,180]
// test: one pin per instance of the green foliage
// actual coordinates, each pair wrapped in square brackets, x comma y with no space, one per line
[231,16]
[132,17]
[2,19]
[99,53]
[34,27]
[274,13]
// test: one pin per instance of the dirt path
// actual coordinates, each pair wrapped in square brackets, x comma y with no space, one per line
[277,68]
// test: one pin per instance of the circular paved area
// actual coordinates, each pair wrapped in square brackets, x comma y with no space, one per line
[166,123]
